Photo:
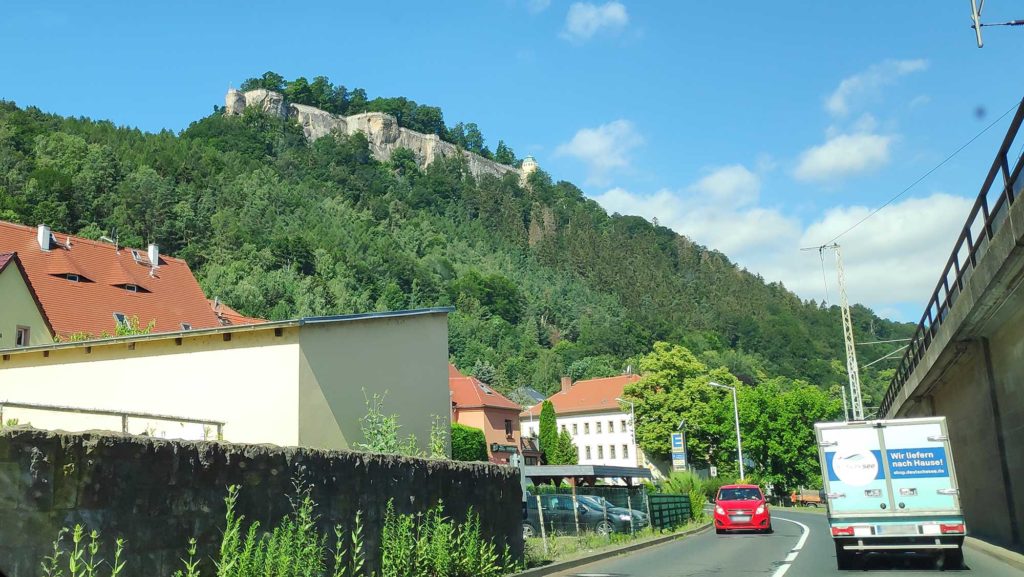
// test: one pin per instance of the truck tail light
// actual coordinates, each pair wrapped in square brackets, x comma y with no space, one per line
[948,528]
[842,531]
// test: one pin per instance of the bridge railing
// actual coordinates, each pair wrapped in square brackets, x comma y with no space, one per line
[985,219]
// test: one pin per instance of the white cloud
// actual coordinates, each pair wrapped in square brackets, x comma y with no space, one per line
[730,183]
[536,6]
[843,155]
[584,19]
[892,260]
[603,149]
[866,84]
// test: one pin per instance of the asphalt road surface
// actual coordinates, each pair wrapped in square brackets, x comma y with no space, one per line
[800,547]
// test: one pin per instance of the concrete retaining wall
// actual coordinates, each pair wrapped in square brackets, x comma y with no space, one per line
[157,493]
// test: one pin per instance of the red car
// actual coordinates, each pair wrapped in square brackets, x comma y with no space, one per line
[741,508]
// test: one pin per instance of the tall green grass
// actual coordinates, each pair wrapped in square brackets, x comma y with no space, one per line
[429,544]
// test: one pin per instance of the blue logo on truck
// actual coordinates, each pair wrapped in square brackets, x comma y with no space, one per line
[918,463]
[854,466]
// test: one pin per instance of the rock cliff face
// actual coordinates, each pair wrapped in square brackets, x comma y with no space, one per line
[382,131]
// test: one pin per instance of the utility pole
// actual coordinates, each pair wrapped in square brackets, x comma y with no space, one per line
[851,351]
[852,371]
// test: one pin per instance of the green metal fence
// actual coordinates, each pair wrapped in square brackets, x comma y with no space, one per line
[665,511]
[669,511]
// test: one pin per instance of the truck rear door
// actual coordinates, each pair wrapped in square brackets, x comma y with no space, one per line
[920,468]
[856,473]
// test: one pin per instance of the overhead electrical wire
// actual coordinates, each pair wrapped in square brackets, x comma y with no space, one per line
[927,174]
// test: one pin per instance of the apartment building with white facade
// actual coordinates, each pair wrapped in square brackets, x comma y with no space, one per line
[589,411]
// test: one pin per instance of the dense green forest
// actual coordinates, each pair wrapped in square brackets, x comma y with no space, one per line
[543,280]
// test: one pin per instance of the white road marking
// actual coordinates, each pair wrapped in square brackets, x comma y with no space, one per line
[788,562]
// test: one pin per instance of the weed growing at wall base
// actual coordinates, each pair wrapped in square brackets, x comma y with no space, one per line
[423,545]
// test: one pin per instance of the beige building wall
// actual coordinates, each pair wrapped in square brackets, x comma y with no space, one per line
[249,382]
[404,356]
[18,308]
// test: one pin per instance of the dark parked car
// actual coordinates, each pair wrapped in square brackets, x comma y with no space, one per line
[595,514]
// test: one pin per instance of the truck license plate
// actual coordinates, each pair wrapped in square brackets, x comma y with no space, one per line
[896,530]
[740,518]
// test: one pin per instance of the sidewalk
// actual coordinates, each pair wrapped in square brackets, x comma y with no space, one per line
[1005,555]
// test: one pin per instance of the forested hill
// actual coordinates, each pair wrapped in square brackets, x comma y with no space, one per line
[543,280]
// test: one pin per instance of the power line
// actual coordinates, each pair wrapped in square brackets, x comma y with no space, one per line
[927,174]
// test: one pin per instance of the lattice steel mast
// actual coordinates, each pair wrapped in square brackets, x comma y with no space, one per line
[851,352]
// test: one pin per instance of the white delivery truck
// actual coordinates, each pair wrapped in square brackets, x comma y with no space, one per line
[891,487]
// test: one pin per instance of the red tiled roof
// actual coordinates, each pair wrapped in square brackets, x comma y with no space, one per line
[230,317]
[468,392]
[587,396]
[169,296]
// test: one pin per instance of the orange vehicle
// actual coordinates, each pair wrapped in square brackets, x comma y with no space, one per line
[809,497]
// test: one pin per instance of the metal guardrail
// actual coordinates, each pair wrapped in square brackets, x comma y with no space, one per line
[125,415]
[985,219]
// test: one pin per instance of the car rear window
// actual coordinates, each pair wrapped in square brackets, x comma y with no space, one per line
[739,494]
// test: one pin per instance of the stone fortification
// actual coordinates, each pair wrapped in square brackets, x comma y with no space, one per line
[158,493]
[382,131]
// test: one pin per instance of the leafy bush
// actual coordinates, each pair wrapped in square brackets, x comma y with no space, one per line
[468,443]
[687,483]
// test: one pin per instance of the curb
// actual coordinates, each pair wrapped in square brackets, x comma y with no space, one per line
[1005,555]
[573,563]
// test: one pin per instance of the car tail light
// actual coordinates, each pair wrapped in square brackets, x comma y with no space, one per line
[842,531]
[951,528]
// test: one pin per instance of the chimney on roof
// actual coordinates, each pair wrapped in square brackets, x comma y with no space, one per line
[566,384]
[43,237]
[154,255]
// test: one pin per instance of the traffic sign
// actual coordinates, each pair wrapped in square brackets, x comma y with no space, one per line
[678,443]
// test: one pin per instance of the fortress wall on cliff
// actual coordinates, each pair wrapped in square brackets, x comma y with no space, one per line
[381,130]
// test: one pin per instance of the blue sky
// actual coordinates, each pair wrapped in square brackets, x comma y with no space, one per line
[751,127]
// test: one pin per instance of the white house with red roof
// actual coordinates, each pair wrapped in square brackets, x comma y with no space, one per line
[600,427]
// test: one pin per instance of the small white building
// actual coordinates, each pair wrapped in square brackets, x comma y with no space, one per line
[600,428]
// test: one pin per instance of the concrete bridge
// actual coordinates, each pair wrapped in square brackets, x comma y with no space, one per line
[966,359]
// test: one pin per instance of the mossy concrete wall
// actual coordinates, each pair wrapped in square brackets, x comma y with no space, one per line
[156,494]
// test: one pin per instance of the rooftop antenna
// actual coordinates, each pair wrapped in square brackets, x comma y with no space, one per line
[852,371]
[976,7]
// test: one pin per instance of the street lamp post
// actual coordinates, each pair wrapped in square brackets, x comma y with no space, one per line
[632,430]
[736,412]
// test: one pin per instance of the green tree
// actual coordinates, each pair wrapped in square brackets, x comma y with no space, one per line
[674,388]
[484,371]
[269,81]
[548,433]
[504,154]
[777,419]
[468,443]
[567,453]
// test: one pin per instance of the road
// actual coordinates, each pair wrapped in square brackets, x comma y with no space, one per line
[800,547]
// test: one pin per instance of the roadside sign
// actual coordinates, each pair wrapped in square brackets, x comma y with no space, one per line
[714,471]
[678,443]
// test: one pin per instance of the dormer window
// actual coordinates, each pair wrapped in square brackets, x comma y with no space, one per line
[71,277]
[186,327]
[121,319]
[132,288]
